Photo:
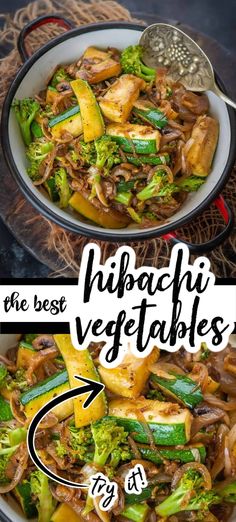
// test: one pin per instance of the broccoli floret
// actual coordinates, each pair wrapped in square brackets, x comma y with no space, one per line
[110,442]
[107,153]
[17,381]
[60,76]
[61,451]
[36,153]
[228,493]
[25,111]
[189,495]
[62,185]
[40,489]
[152,189]
[9,443]
[190,184]
[101,155]
[85,153]
[3,375]
[81,441]
[131,63]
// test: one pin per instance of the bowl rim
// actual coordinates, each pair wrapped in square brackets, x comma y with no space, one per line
[100,233]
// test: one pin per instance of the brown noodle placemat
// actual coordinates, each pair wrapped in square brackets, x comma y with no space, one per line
[59,249]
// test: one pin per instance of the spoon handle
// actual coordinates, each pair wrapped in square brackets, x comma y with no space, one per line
[223,96]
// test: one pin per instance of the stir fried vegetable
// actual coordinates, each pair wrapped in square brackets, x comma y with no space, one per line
[190,495]
[108,120]
[40,490]
[131,62]
[166,412]
[25,111]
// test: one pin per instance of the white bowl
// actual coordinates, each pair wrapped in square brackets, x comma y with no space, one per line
[31,79]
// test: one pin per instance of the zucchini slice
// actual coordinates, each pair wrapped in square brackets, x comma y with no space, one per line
[141,138]
[181,387]
[169,429]
[23,494]
[69,121]
[92,120]
[136,512]
[151,115]
[110,218]
[37,396]
[161,159]
[190,453]
[79,362]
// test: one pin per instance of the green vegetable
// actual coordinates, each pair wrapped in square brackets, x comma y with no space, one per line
[17,381]
[162,159]
[61,450]
[106,156]
[17,436]
[125,186]
[36,129]
[189,495]
[152,189]
[205,352]
[40,489]
[169,434]
[60,76]
[190,184]
[110,442]
[134,215]
[141,146]
[26,345]
[3,375]
[36,396]
[24,495]
[9,443]
[133,498]
[29,338]
[167,429]
[51,383]
[91,116]
[228,492]
[81,441]
[186,454]
[106,153]
[124,198]
[154,116]
[36,153]
[180,387]
[85,153]
[25,111]
[131,63]
[68,113]
[62,186]
[51,187]
[5,410]
[136,512]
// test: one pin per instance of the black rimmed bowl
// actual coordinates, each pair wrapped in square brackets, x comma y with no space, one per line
[32,77]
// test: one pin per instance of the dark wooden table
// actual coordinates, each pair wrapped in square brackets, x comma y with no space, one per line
[208,16]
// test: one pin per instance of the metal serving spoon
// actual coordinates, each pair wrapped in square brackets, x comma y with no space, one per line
[166,45]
